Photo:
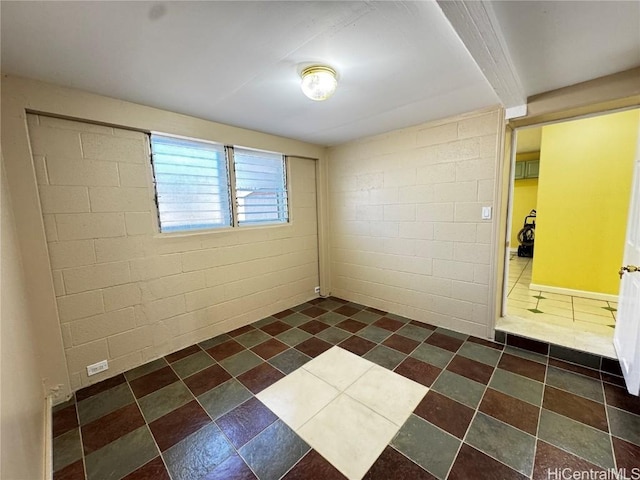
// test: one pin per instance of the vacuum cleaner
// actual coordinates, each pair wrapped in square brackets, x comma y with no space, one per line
[526,236]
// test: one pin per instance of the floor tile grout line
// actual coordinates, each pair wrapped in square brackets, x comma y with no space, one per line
[227,439]
[146,424]
[475,414]
[84,461]
[606,412]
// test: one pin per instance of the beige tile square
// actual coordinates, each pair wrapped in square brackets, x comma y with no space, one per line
[555,303]
[512,302]
[589,301]
[387,393]
[338,367]
[589,317]
[558,297]
[561,312]
[349,435]
[298,397]
[593,310]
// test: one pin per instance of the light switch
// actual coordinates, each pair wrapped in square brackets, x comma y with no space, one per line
[486,213]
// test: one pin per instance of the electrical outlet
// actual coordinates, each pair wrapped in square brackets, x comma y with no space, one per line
[97,367]
[316,290]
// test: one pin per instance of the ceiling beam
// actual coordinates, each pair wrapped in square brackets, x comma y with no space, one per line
[476,25]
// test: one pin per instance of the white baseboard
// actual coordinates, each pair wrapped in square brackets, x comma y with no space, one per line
[48,439]
[607,297]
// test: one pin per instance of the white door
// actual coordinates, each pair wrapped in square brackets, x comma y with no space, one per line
[626,338]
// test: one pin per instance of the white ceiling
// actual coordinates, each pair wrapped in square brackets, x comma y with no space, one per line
[400,63]
[554,44]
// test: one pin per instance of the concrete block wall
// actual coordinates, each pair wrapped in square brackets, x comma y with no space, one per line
[128,294]
[405,219]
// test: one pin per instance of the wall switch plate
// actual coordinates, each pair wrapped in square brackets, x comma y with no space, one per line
[486,213]
[316,290]
[97,367]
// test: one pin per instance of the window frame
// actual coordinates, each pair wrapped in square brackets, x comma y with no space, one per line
[231,194]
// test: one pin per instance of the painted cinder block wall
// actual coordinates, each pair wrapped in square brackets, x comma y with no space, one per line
[128,294]
[406,234]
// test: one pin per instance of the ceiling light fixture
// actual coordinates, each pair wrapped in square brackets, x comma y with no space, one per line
[318,82]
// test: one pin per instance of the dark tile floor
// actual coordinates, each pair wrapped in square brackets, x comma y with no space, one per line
[492,411]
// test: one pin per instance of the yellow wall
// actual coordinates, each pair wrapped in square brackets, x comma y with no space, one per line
[583,197]
[525,198]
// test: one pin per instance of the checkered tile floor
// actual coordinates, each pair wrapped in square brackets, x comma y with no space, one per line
[490,412]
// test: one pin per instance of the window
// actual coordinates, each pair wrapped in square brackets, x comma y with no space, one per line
[261,190]
[193,187]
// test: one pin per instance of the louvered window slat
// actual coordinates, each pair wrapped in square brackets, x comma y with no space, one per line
[191,184]
[261,189]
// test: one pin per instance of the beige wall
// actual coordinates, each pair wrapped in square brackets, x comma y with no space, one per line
[406,233]
[22,411]
[22,95]
[127,293]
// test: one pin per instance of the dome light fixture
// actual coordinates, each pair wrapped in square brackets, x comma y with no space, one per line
[318,82]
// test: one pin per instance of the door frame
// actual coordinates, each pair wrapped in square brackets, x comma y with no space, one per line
[612,92]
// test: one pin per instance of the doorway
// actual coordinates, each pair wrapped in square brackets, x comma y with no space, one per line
[572,181]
